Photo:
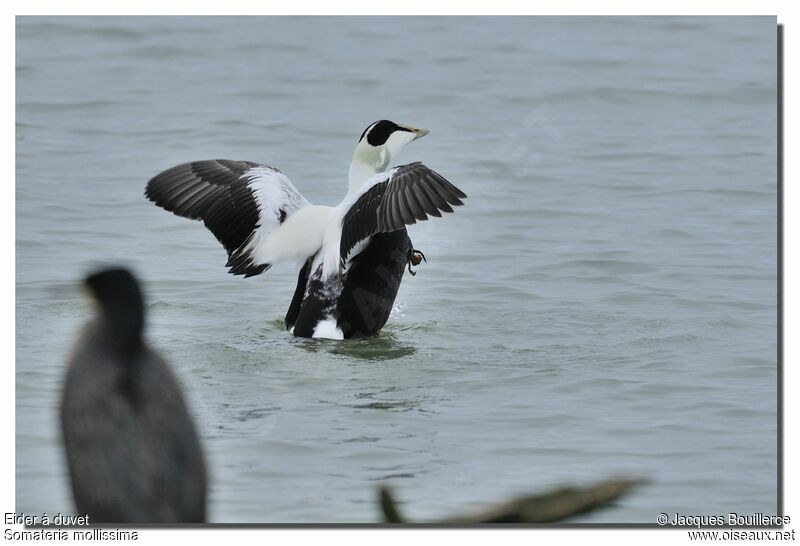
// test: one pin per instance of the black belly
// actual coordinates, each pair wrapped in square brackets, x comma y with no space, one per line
[365,301]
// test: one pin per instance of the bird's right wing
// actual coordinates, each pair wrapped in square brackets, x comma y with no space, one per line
[242,203]
[392,200]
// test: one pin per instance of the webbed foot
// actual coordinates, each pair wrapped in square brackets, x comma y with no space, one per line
[415,257]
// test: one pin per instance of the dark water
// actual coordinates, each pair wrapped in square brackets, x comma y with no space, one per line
[604,304]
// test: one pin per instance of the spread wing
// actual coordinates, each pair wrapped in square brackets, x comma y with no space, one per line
[242,203]
[392,200]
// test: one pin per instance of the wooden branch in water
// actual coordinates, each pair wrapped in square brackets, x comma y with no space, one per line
[549,507]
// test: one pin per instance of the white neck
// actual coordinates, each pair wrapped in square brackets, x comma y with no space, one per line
[359,173]
[367,162]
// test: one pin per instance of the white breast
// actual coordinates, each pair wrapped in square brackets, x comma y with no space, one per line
[299,237]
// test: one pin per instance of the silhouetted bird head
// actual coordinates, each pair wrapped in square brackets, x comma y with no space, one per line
[119,297]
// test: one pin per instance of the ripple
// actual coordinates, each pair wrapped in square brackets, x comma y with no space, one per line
[257,413]
[72,106]
[384,346]
[609,266]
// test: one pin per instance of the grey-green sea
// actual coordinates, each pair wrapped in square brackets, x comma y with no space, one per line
[604,304]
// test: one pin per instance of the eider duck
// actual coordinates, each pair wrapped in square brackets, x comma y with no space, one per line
[353,255]
[132,449]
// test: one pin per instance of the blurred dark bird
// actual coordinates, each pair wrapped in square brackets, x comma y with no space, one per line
[132,449]
[550,507]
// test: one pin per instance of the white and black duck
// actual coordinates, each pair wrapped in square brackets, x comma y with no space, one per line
[353,255]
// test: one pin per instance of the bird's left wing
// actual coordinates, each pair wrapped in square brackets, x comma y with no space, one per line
[242,203]
[391,200]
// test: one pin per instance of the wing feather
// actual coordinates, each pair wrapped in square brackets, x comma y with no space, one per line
[392,200]
[242,203]
[404,208]
[417,206]
[434,203]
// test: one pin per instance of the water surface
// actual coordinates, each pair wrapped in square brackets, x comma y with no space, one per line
[604,304]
